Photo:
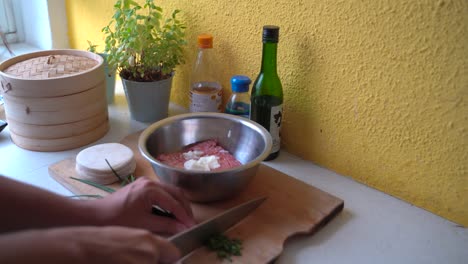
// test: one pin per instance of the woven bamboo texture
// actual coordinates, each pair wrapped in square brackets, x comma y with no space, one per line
[51,66]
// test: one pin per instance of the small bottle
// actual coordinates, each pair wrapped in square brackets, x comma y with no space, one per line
[205,89]
[267,91]
[239,102]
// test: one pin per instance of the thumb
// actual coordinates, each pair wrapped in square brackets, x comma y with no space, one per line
[168,252]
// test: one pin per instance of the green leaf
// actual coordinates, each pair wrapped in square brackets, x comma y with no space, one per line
[155,43]
[91,47]
[113,171]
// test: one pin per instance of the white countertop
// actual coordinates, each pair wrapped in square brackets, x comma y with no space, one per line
[373,227]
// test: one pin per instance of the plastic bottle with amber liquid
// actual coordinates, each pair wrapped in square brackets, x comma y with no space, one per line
[267,92]
[205,88]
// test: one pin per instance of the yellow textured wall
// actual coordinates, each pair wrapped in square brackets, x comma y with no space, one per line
[375,90]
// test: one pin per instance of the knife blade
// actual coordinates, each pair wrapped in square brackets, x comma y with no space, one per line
[194,237]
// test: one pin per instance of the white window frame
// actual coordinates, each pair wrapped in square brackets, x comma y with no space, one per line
[7,21]
[40,25]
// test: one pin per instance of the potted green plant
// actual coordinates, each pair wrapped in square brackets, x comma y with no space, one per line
[110,74]
[145,47]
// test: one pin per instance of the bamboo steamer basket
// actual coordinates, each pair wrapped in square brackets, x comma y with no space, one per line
[56,131]
[56,110]
[55,100]
[59,144]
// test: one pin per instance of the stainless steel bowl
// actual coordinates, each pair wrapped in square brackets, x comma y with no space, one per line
[248,141]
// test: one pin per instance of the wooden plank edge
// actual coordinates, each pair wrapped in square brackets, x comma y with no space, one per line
[64,183]
[336,210]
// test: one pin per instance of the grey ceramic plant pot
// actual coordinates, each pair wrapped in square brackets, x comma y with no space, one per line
[148,101]
[110,80]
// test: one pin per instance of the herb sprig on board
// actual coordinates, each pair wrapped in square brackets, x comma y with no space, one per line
[123,181]
[156,210]
[224,246]
[95,184]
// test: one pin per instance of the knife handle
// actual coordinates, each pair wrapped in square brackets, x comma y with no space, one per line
[156,210]
[3,124]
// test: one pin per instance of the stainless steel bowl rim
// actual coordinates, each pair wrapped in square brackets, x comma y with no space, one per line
[149,130]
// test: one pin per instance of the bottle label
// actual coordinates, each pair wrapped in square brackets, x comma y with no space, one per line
[275,126]
[206,100]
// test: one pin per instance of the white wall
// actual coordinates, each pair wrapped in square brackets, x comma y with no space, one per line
[41,25]
[44,23]
[36,25]
[58,24]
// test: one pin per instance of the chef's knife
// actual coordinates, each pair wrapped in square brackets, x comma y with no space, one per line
[194,237]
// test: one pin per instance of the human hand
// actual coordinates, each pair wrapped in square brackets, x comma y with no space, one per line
[132,206]
[120,245]
[113,245]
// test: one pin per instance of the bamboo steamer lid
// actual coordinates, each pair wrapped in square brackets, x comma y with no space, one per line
[50,73]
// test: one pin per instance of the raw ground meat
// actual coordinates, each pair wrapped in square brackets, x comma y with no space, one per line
[208,147]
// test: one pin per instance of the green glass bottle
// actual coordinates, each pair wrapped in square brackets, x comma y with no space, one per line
[267,92]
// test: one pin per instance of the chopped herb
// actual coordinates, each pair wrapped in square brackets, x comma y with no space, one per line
[224,246]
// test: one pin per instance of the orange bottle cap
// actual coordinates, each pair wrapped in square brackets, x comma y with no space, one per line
[205,41]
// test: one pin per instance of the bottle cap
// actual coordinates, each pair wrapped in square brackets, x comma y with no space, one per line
[270,34]
[240,83]
[205,41]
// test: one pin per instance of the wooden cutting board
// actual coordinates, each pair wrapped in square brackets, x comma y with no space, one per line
[292,208]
